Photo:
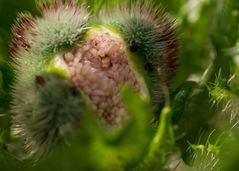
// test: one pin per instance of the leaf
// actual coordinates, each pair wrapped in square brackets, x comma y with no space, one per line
[179,100]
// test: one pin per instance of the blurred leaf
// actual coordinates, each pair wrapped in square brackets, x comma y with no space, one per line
[179,100]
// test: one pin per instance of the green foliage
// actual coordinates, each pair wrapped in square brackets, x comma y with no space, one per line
[5,78]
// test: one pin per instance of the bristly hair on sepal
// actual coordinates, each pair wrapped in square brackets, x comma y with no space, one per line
[61,25]
[23,26]
[171,49]
[53,114]
[43,117]
[151,35]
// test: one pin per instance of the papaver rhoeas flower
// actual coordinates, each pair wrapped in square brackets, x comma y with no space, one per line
[66,60]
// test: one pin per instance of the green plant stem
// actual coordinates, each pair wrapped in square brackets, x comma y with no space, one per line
[161,144]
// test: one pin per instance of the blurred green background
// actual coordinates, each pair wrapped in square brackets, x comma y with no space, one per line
[208,31]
